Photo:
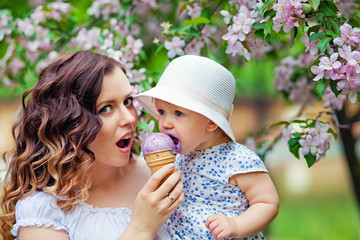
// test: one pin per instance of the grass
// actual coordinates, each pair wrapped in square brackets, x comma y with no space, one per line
[325,217]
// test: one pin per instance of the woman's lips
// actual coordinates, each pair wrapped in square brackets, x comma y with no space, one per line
[124,144]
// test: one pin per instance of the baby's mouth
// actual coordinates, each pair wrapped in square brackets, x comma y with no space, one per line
[124,142]
[175,139]
[177,144]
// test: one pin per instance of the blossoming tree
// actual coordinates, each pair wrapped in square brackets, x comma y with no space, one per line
[136,33]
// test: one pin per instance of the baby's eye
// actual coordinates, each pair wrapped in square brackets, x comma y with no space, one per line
[129,101]
[105,109]
[178,113]
[161,112]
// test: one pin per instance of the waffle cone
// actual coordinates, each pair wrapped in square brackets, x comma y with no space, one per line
[157,160]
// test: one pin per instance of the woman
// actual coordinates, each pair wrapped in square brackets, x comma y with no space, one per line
[74,173]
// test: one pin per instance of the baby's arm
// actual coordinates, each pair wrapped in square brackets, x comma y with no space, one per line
[264,206]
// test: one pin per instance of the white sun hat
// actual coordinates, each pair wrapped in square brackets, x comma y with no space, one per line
[198,84]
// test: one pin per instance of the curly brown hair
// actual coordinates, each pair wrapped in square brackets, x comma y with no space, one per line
[57,124]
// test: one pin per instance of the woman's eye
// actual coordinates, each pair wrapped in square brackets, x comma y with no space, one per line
[129,101]
[161,112]
[105,109]
[178,113]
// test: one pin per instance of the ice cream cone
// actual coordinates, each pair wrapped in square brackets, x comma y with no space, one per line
[158,159]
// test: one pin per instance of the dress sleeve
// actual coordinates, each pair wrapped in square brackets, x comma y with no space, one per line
[38,210]
[244,161]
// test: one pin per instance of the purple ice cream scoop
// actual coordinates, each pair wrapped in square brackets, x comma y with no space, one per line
[160,141]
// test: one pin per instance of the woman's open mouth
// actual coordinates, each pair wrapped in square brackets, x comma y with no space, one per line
[124,143]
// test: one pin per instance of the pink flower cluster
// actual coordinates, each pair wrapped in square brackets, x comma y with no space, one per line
[287,14]
[237,31]
[344,64]
[299,89]
[104,8]
[315,140]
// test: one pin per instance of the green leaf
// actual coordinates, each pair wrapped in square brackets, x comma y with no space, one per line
[293,141]
[313,29]
[3,48]
[332,132]
[159,48]
[314,4]
[310,159]
[183,7]
[331,33]
[333,87]
[264,7]
[306,8]
[329,8]
[320,87]
[279,123]
[213,41]
[294,32]
[259,25]
[195,21]
[336,27]
[323,43]
[295,149]
[316,35]
[268,27]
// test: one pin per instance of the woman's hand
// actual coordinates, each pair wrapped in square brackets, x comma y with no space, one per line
[154,205]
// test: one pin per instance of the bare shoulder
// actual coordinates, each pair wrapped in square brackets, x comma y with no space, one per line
[41,233]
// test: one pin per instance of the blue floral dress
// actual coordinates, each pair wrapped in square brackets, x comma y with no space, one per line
[205,174]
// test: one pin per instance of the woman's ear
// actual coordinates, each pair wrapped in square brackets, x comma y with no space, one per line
[211,126]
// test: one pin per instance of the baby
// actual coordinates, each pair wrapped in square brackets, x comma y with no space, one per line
[228,192]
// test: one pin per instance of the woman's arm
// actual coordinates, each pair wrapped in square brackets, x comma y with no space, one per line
[41,233]
[264,206]
[153,206]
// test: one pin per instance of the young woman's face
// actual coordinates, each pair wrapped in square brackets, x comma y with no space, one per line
[115,107]
[188,126]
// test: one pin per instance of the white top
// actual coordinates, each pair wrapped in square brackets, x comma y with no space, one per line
[84,223]
[205,174]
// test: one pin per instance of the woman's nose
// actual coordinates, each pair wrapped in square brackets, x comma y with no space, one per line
[127,116]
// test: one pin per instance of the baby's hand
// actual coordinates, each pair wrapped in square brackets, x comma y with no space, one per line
[221,226]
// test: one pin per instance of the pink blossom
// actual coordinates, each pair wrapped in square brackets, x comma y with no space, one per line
[301,92]
[175,47]
[345,52]
[321,130]
[311,47]
[16,65]
[241,26]
[238,49]
[309,144]
[4,25]
[355,61]
[286,133]
[194,10]
[352,34]
[331,100]
[227,16]
[330,63]
[137,75]
[88,39]
[115,54]
[338,73]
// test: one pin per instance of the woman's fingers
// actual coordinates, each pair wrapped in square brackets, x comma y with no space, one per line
[156,178]
[171,185]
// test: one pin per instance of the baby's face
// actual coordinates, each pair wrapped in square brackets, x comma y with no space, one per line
[188,126]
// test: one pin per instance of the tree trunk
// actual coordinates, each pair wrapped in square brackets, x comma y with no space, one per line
[349,142]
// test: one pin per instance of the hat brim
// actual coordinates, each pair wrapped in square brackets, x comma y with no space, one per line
[173,96]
